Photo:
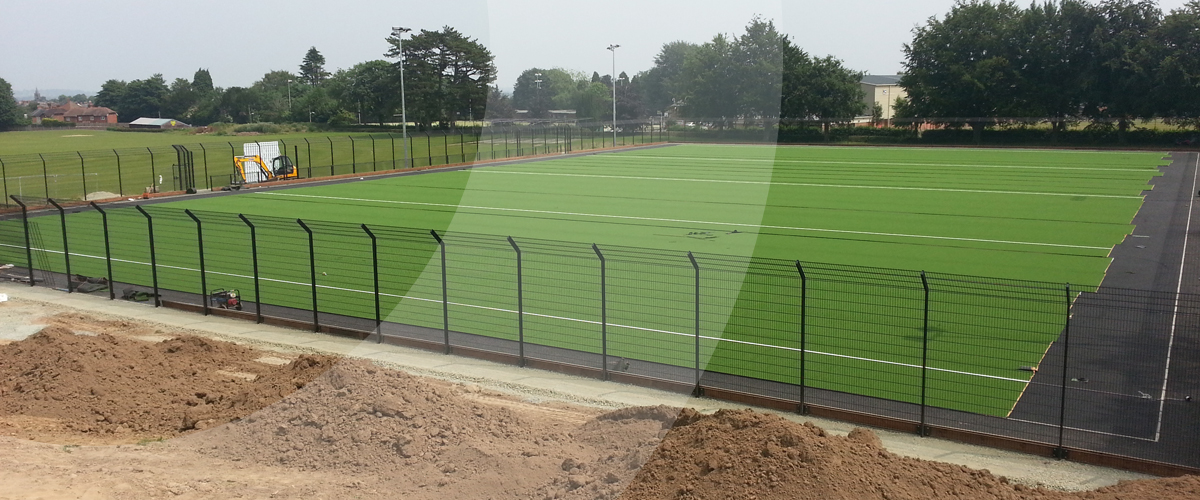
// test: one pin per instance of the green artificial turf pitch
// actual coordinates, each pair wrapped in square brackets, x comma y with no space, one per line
[1049,216]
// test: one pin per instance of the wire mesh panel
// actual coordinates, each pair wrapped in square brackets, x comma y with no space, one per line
[410,283]
[129,238]
[987,339]
[228,258]
[1121,350]
[481,284]
[751,313]
[177,251]
[865,339]
[561,301]
[283,260]
[651,313]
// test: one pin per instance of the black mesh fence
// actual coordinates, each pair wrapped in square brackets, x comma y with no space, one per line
[131,172]
[1105,370]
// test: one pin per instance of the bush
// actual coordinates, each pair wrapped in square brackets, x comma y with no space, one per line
[52,123]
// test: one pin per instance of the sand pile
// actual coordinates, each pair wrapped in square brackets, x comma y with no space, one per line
[749,455]
[102,385]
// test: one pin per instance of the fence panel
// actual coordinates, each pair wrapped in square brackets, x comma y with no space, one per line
[561,292]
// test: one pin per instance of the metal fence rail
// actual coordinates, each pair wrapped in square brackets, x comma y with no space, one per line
[1086,368]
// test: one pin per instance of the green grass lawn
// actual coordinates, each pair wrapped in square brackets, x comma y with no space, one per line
[69,165]
[746,212]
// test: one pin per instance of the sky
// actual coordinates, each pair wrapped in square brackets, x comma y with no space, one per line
[80,44]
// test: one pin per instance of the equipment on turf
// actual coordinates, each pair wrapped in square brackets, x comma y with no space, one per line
[262,162]
[225,299]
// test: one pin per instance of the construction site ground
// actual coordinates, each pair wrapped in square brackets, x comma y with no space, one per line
[115,399]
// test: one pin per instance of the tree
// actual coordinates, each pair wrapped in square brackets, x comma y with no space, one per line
[370,89]
[312,69]
[447,75]
[179,100]
[662,85]
[759,52]
[202,82]
[818,89]
[1122,70]
[710,80]
[238,104]
[499,104]
[1054,57]
[539,98]
[316,101]
[142,98]
[273,90]
[960,67]
[1176,83]
[10,113]
[110,94]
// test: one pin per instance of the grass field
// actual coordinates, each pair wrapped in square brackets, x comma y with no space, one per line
[67,165]
[1050,216]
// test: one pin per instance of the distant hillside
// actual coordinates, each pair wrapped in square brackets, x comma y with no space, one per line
[27,94]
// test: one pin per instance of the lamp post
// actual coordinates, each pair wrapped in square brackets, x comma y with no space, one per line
[310,113]
[538,81]
[289,93]
[399,32]
[613,48]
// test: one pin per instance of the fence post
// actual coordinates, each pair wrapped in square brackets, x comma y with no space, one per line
[45,175]
[803,409]
[603,311]
[462,146]
[445,294]
[393,140]
[520,306]
[446,146]
[697,391]
[207,179]
[112,294]
[375,280]
[4,179]
[83,173]
[429,148]
[1061,452]
[353,157]
[28,244]
[258,317]
[312,273]
[120,180]
[153,169]
[330,139]
[62,217]
[200,249]
[153,254]
[923,430]
[374,159]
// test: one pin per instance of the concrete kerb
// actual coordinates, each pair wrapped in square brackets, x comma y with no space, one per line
[541,386]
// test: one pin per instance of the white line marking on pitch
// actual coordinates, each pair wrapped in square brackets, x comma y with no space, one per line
[894,164]
[806,184]
[562,318]
[1162,400]
[685,221]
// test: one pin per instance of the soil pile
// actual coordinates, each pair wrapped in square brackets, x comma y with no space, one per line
[107,386]
[748,455]
[435,439]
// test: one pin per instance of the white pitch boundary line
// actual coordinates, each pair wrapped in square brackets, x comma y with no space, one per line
[806,184]
[549,316]
[685,221]
[1162,400]
[893,164]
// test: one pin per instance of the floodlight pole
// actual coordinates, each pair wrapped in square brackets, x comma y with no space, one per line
[289,94]
[398,32]
[613,48]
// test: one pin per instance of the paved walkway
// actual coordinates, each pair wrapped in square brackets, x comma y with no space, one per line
[537,385]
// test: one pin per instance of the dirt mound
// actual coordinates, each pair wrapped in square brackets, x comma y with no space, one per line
[126,389]
[748,455]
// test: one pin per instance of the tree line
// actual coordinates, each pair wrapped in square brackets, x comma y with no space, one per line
[1068,60]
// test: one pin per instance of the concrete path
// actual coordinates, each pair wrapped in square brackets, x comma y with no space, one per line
[538,386]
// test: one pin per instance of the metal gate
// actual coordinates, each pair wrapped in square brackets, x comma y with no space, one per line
[184,171]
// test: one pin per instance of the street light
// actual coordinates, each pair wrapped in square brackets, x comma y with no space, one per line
[613,48]
[399,32]
[289,93]
[310,113]
[538,81]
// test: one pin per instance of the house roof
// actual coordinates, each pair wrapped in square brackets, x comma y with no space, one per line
[157,122]
[881,79]
[96,111]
